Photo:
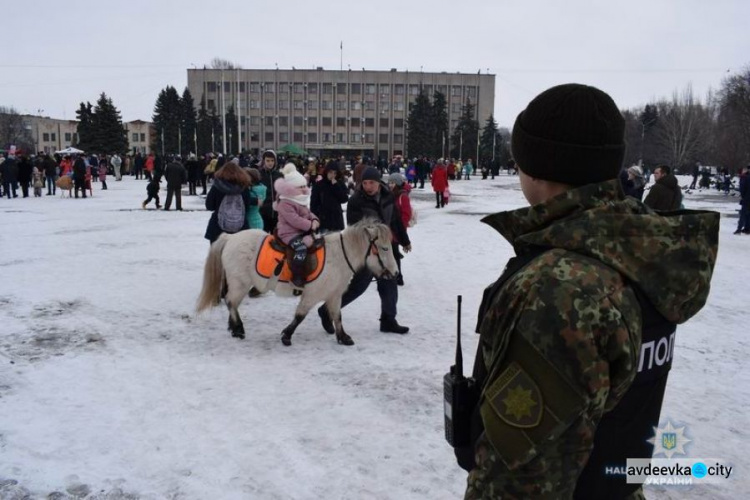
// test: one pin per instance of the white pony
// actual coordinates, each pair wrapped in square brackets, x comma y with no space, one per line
[230,268]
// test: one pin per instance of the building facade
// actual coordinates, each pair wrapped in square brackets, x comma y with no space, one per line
[332,112]
[140,136]
[52,134]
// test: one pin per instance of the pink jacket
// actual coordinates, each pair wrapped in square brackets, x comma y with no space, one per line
[294,219]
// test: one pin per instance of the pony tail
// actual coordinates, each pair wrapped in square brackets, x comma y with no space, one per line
[213,276]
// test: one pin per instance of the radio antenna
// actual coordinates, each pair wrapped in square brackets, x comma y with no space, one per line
[459,355]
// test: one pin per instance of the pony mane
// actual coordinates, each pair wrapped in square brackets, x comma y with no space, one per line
[376,227]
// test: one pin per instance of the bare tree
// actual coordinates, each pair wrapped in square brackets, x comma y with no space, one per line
[733,128]
[219,63]
[684,131]
[14,130]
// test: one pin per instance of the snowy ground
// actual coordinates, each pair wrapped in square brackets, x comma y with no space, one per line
[111,387]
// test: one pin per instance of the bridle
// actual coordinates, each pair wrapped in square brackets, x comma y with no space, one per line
[371,250]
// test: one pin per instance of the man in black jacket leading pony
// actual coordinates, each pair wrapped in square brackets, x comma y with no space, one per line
[373,199]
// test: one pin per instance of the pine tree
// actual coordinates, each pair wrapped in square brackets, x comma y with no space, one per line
[167,121]
[108,132]
[440,124]
[420,127]
[649,119]
[204,129]
[85,128]
[188,123]
[217,131]
[488,143]
[464,138]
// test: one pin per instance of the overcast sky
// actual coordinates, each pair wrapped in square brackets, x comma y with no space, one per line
[56,54]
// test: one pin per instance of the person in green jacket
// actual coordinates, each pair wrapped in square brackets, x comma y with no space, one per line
[560,338]
[257,191]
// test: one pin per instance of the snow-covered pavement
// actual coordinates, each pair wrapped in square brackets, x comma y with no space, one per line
[111,387]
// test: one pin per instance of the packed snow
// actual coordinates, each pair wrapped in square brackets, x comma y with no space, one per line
[111,387]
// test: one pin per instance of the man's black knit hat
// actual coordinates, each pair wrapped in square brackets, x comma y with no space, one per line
[572,134]
[371,174]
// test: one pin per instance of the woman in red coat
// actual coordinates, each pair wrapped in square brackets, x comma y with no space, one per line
[400,189]
[439,182]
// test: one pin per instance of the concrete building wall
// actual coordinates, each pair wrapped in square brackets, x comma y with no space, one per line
[140,136]
[362,111]
[51,134]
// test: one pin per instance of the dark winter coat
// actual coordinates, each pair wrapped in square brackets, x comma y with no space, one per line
[745,190]
[79,169]
[152,188]
[194,169]
[267,178]
[9,170]
[665,194]
[219,189]
[49,166]
[175,174]
[381,207]
[24,170]
[327,202]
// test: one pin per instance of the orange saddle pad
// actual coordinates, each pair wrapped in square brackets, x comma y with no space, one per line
[268,259]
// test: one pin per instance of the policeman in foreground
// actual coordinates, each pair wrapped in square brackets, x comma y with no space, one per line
[588,305]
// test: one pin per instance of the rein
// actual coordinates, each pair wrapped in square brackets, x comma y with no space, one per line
[343,249]
[369,251]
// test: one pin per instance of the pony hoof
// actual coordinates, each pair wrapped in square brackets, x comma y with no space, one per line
[286,340]
[345,340]
[238,335]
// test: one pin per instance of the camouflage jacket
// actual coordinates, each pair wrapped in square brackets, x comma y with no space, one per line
[561,337]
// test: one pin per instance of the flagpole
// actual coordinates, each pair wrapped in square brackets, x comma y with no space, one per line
[223,116]
[179,141]
[342,55]
[493,146]
[461,147]
[476,161]
[239,122]
[195,139]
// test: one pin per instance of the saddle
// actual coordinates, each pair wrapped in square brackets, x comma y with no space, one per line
[274,257]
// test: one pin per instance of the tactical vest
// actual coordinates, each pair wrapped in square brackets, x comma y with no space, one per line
[623,432]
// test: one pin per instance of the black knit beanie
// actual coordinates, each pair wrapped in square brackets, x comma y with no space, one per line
[572,134]
[371,174]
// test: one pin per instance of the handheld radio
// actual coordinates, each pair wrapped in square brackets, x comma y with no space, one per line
[459,397]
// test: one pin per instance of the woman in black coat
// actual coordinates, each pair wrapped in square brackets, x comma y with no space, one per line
[328,194]
[24,174]
[229,179]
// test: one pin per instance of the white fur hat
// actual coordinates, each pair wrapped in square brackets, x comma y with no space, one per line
[292,176]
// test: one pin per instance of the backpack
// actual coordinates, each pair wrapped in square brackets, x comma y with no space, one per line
[231,215]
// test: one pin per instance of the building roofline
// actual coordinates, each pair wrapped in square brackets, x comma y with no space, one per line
[362,70]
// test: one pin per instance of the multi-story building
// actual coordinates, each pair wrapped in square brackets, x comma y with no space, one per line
[333,112]
[140,135]
[51,134]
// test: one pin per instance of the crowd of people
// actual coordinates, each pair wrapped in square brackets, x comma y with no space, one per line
[43,170]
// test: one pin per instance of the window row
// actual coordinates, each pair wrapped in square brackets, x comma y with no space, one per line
[326,121]
[343,88]
[326,137]
[313,104]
